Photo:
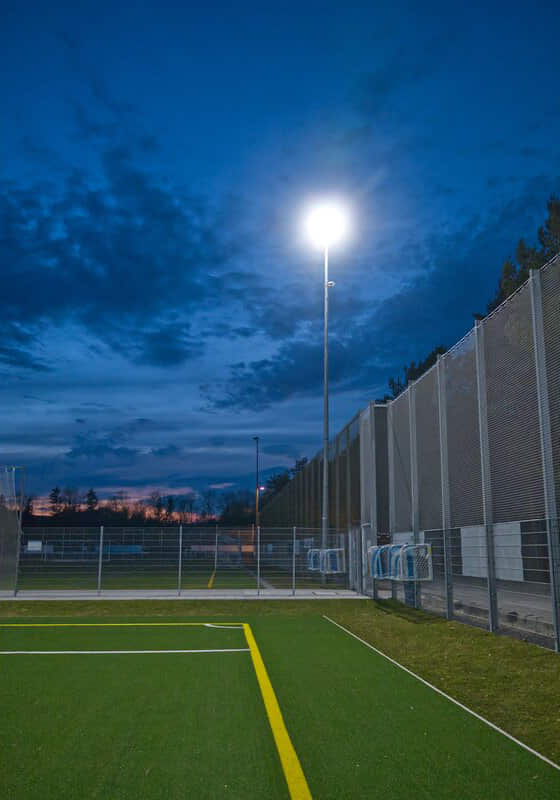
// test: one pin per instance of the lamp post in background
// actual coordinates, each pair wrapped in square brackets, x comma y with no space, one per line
[326,224]
[257,512]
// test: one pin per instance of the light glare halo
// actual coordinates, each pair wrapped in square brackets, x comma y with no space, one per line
[326,223]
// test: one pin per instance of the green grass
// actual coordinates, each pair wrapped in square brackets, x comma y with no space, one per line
[134,726]
[143,575]
[362,728]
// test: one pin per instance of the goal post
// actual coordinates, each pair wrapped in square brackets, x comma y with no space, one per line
[401,562]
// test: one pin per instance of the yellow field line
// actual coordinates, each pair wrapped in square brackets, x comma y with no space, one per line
[211,580]
[297,783]
[109,624]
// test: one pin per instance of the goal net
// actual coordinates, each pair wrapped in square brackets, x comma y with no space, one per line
[332,561]
[401,562]
[314,559]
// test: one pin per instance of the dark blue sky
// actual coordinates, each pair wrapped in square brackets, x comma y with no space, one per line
[158,305]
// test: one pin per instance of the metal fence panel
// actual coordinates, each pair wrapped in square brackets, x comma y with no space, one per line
[59,558]
[550,278]
[400,433]
[429,457]
[381,468]
[9,536]
[522,577]
[513,424]
[463,435]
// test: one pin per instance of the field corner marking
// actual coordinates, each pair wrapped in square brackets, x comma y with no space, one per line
[447,696]
[293,772]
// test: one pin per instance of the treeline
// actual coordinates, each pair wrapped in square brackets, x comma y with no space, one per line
[514,273]
[71,507]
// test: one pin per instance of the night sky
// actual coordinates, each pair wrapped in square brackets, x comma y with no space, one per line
[158,305]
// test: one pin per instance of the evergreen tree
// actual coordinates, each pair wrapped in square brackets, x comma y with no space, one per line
[55,501]
[514,275]
[91,500]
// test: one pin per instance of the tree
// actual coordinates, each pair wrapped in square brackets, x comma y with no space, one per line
[91,500]
[189,505]
[238,508]
[208,503]
[55,502]
[413,371]
[156,502]
[28,507]
[170,507]
[277,482]
[514,275]
[70,498]
[298,466]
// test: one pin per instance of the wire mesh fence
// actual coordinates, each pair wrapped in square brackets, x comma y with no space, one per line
[179,559]
[467,458]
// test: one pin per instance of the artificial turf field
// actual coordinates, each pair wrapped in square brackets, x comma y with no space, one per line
[142,575]
[195,724]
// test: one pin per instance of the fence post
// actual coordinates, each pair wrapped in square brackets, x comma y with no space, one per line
[180,570]
[19,516]
[486,477]
[415,496]
[552,531]
[391,465]
[100,560]
[258,559]
[337,482]
[294,560]
[216,552]
[445,496]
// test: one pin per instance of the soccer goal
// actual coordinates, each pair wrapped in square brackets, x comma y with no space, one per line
[332,561]
[327,561]
[314,559]
[401,562]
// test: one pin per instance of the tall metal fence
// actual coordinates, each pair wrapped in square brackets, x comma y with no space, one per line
[467,458]
[255,560]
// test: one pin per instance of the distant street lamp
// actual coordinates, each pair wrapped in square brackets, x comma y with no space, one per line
[326,223]
[257,513]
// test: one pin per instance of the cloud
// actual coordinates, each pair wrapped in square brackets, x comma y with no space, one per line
[129,262]
[168,450]
[448,279]
[101,447]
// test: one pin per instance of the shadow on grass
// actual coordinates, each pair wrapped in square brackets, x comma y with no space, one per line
[416,615]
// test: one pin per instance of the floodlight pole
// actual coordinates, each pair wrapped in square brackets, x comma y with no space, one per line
[325,507]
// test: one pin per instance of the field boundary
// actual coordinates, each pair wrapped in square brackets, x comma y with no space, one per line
[444,694]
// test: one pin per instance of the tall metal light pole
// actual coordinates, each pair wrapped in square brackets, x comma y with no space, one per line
[326,223]
[325,506]
[257,513]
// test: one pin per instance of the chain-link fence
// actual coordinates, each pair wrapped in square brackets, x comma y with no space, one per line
[467,458]
[179,558]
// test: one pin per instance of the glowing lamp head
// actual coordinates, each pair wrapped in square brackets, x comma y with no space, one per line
[326,223]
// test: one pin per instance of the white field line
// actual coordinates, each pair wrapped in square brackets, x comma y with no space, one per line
[115,624]
[113,652]
[223,627]
[447,696]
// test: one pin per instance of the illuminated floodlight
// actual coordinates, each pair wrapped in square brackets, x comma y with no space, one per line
[326,223]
